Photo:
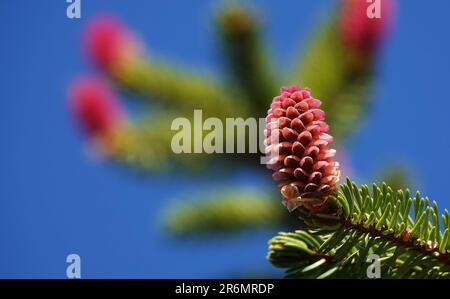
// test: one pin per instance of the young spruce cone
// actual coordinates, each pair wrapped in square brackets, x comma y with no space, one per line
[297,143]
[363,35]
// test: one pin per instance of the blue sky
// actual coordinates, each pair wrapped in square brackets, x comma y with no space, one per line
[55,200]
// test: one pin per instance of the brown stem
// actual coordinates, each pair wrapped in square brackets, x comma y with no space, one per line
[410,242]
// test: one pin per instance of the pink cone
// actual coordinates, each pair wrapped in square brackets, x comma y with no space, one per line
[109,42]
[94,106]
[361,33]
[302,162]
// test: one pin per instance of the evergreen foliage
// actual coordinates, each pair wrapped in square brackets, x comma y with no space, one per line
[404,230]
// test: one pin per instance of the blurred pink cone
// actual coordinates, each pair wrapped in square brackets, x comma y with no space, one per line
[109,42]
[95,106]
[360,33]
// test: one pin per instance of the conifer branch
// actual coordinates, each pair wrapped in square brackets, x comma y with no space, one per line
[230,211]
[245,55]
[181,89]
[404,231]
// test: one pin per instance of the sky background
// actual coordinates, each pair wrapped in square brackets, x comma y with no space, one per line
[56,200]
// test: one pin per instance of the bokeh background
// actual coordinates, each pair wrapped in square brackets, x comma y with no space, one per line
[57,199]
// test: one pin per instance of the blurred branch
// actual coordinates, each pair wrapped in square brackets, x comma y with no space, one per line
[343,88]
[223,211]
[245,55]
[146,145]
[181,89]
[396,175]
